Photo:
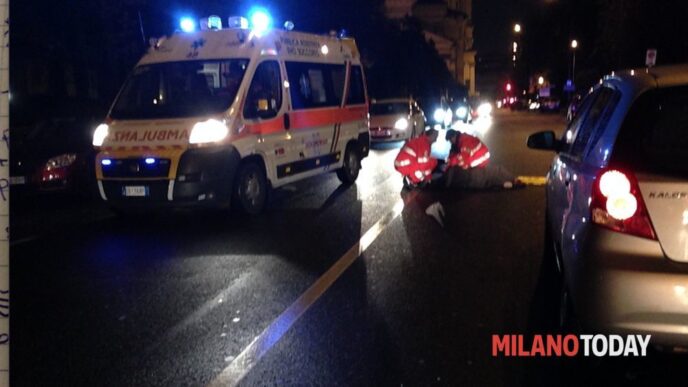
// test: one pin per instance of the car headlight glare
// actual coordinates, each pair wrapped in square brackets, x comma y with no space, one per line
[401,124]
[100,134]
[208,131]
[60,161]
[439,115]
[462,112]
[485,109]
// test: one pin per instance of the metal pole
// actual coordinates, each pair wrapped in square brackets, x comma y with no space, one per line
[573,71]
[4,194]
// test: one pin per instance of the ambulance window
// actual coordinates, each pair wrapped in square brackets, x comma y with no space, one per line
[264,98]
[315,84]
[338,79]
[356,93]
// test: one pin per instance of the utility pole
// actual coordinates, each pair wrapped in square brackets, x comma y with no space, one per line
[4,194]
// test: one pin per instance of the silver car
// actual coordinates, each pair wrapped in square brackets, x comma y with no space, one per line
[395,119]
[617,207]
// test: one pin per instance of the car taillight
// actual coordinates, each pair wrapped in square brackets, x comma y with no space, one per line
[617,204]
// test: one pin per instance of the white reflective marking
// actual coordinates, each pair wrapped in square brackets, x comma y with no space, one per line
[170,190]
[249,357]
[101,190]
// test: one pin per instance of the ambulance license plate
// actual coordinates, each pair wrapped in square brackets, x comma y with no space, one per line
[135,191]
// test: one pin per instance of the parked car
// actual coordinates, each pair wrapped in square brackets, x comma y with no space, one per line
[617,207]
[54,154]
[395,119]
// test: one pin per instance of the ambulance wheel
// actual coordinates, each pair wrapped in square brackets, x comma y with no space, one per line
[250,189]
[348,173]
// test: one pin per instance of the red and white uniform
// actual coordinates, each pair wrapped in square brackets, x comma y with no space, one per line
[472,153]
[414,160]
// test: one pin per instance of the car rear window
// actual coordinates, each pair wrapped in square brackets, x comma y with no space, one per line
[654,135]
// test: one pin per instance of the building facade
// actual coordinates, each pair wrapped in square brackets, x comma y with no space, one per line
[447,25]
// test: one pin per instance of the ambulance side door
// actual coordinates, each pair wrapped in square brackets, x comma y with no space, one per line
[355,109]
[265,112]
[315,100]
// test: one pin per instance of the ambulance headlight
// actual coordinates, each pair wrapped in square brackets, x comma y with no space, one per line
[208,131]
[100,134]
[439,115]
[462,112]
[260,21]
[401,124]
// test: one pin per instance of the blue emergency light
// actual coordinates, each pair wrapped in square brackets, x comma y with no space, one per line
[150,160]
[187,24]
[106,162]
[260,21]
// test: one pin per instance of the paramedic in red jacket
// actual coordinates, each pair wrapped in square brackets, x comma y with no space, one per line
[414,161]
[468,165]
[467,151]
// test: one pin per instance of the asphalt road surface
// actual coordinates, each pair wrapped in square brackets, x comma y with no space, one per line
[332,286]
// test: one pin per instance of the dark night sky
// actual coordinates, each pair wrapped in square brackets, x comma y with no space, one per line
[105,35]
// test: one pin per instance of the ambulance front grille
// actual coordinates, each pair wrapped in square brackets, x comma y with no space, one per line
[132,168]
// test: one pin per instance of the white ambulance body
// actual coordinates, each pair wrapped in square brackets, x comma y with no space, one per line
[219,116]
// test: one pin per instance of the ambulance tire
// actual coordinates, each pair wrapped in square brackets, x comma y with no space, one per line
[250,191]
[348,173]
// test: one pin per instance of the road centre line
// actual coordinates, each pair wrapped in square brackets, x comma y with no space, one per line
[252,354]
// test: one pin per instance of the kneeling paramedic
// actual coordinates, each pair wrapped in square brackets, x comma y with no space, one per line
[414,161]
[468,165]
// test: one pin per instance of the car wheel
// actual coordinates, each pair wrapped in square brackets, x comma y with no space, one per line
[250,191]
[348,173]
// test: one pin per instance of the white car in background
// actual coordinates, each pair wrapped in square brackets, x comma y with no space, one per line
[395,119]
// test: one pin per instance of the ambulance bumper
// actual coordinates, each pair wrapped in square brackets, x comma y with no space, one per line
[203,178]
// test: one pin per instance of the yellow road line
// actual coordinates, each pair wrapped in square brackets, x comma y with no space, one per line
[533,180]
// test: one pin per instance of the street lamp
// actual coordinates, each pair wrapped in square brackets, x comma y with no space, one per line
[574,46]
[541,80]
[517,28]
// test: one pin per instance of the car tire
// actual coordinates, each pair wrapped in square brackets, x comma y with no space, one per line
[348,173]
[250,190]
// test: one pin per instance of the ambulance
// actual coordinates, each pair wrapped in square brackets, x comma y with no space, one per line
[220,116]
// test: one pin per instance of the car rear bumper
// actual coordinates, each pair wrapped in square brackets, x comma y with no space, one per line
[625,284]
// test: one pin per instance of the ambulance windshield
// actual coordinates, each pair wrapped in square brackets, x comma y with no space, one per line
[180,89]
[387,108]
